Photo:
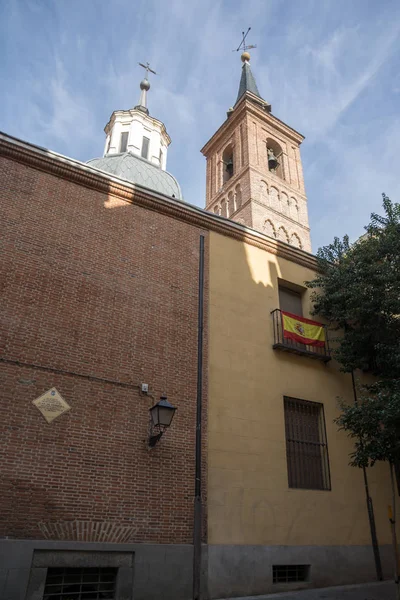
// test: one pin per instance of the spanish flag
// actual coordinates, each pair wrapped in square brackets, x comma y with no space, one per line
[303,331]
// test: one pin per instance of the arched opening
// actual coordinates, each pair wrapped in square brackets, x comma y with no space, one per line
[269,229]
[230,208]
[238,197]
[216,209]
[295,240]
[285,206]
[282,235]
[294,209]
[223,208]
[275,158]
[274,199]
[227,164]
[264,192]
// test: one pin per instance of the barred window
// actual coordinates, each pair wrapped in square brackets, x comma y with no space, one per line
[290,573]
[306,445]
[80,584]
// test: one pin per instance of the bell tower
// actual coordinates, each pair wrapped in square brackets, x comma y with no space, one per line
[254,172]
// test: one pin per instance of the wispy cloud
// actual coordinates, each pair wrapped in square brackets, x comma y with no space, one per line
[323,65]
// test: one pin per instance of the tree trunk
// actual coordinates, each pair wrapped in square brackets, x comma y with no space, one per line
[392,519]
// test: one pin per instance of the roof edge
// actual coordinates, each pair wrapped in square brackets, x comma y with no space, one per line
[41,159]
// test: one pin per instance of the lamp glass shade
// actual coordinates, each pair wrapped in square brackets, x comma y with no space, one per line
[163,412]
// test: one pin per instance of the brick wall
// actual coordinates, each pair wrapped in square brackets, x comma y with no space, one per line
[278,206]
[98,295]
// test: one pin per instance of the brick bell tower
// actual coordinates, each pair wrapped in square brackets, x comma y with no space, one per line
[254,173]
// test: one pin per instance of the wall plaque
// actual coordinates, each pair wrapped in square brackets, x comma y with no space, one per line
[51,404]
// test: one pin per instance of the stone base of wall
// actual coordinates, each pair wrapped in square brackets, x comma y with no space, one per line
[164,571]
[235,571]
[145,571]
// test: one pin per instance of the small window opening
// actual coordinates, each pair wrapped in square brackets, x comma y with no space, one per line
[290,573]
[275,158]
[80,584]
[124,141]
[145,147]
[228,166]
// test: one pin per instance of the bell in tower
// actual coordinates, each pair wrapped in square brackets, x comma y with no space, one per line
[273,163]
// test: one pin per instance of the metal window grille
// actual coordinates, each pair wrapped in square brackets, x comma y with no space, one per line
[124,141]
[80,584]
[290,573]
[306,445]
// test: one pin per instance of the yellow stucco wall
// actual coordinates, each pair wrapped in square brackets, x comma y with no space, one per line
[249,501]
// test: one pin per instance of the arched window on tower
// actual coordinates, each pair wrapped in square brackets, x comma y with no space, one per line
[282,235]
[285,204]
[264,192]
[227,164]
[223,208]
[230,208]
[275,158]
[238,197]
[295,240]
[274,200]
[269,229]
[294,209]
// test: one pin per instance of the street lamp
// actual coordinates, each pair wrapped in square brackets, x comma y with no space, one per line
[161,415]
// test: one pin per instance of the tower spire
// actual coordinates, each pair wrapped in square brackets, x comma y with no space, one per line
[247,81]
[144,87]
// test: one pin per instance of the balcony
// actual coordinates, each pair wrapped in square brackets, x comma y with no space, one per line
[283,342]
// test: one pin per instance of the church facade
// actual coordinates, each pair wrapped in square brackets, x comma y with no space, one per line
[117,293]
[254,170]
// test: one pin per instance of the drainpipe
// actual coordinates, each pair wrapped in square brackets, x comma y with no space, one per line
[197,490]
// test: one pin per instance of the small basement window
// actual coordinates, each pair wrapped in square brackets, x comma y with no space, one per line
[80,584]
[290,573]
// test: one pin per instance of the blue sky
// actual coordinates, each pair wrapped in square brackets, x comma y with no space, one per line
[330,69]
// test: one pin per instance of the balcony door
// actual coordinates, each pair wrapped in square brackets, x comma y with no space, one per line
[290,301]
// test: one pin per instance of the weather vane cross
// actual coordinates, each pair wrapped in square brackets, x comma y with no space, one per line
[147,67]
[242,46]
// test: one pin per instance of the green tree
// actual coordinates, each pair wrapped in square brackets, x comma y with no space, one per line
[357,290]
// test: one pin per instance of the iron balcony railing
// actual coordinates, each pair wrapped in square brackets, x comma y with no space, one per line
[288,345]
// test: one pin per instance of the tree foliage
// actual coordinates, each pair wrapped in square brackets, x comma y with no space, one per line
[357,291]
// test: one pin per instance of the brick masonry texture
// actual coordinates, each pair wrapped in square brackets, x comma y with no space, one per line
[278,206]
[98,296]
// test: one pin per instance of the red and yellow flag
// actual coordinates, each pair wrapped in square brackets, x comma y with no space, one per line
[302,330]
